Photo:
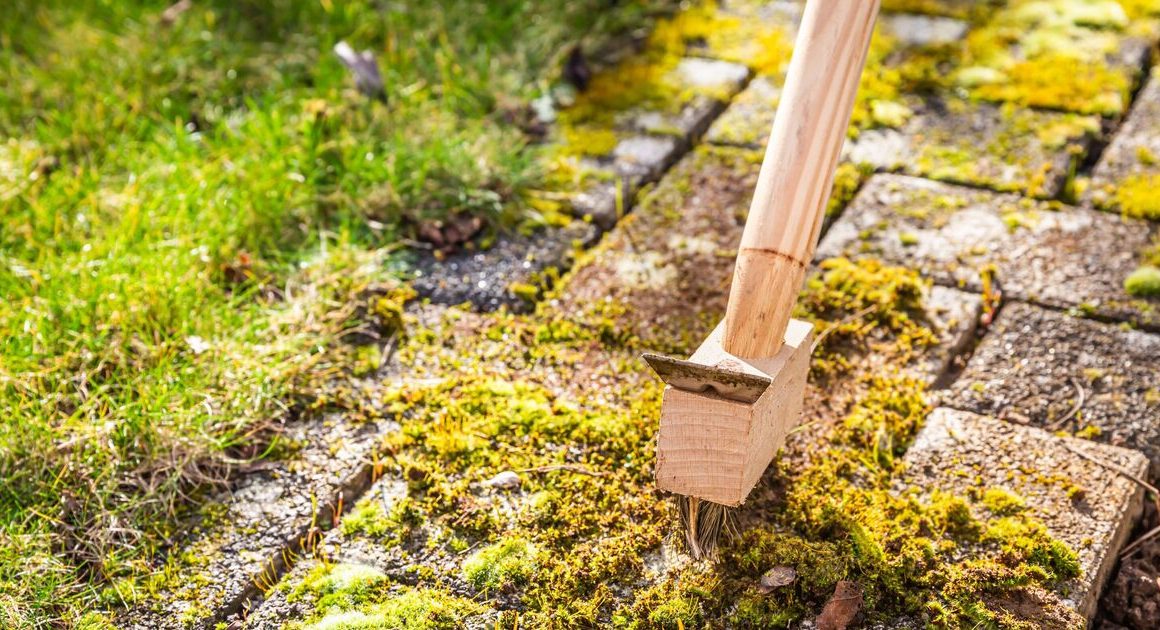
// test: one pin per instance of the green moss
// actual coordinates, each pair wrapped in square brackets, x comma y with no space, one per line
[575,553]
[1003,502]
[1143,282]
[371,518]
[677,612]
[510,561]
[338,586]
[848,179]
[973,589]
[1025,541]
[1136,196]
[94,621]
[1089,432]
[738,36]
[524,291]
[889,113]
[1058,54]
[1145,156]
[412,609]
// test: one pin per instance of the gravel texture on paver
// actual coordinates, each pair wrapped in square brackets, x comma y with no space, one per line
[1083,504]
[485,278]
[1035,366]
[1051,254]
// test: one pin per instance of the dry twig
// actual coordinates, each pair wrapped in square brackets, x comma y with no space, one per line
[1145,537]
[576,468]
[1082,396]
[1144,484]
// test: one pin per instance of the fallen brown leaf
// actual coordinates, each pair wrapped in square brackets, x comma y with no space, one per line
[843,606]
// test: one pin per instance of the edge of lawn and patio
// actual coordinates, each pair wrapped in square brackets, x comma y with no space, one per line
[195,209]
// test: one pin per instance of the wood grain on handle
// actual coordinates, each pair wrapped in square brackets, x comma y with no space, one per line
[797,173]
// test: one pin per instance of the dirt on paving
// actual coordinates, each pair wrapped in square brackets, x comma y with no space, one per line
[1132,598]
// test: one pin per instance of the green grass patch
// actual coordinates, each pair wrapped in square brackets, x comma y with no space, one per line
[195,211]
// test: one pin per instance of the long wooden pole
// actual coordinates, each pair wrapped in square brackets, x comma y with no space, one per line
[796,177]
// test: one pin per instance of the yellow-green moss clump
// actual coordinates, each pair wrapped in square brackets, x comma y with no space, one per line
[1058,54]
[510,562]
[740,36]
[848,179]
[351,597]
[1143,282]
[1003,502]
[1136,196]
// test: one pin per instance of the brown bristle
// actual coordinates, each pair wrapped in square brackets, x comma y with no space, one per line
[702,522]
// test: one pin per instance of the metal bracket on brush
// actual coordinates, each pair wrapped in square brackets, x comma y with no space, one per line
[727,379]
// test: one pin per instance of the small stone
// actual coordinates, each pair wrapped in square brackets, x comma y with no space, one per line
[506,480]
[712,74]
[645,157]
[777,577]
[923,30]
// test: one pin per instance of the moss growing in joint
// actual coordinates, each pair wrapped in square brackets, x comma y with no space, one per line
[412,609]
[338,586]
[581,547]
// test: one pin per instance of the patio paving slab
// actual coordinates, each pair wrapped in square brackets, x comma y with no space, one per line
[1048,253]
[1050,370]
[1087,506]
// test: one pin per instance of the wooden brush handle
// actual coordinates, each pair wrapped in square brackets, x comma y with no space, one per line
[797,174]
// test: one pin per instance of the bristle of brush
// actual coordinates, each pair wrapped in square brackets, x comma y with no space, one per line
[702,522]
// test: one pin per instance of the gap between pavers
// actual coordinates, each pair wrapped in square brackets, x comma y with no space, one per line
[1051,254]
[1050,370]
[249,534]
[1129,170]
[1087,506]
